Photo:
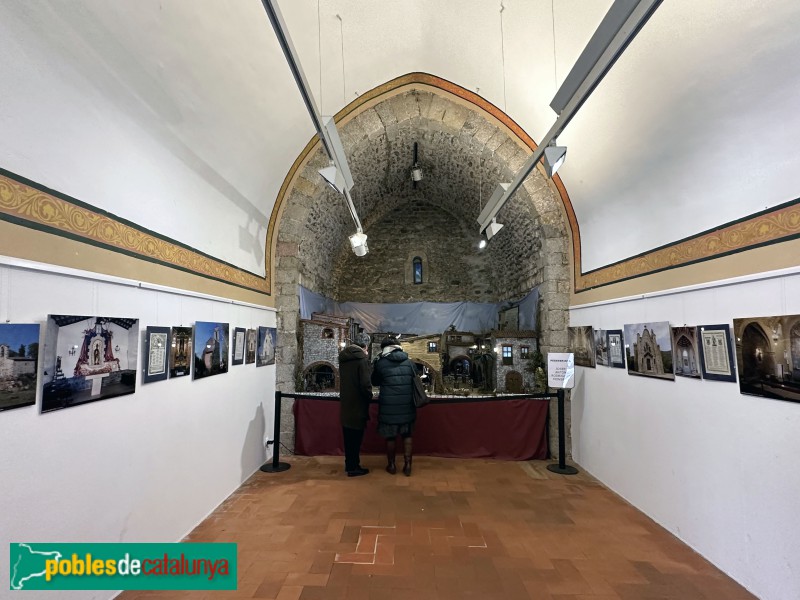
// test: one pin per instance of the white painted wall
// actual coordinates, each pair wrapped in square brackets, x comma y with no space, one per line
[715,467]
[146,467]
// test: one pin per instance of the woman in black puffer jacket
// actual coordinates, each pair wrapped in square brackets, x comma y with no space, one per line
[395,373]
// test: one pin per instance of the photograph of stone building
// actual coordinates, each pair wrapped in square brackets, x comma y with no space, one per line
[19,353]
[649,350]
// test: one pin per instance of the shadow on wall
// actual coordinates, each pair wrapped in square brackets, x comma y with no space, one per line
[253,452]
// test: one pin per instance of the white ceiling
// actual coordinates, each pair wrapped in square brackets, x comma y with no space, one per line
[183,117]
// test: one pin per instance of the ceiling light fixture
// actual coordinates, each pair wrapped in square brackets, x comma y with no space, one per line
[359,243]
[492,229]
[416,172]
[333,178]
[554,157]
[490,207]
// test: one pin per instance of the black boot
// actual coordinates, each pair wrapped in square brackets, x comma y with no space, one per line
[407,456]
[391,467]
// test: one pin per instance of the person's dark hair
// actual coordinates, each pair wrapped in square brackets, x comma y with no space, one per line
[389,341]
[362,339]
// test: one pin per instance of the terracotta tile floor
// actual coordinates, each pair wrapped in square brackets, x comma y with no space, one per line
[455,529]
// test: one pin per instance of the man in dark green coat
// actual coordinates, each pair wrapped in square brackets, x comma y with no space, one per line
[355,391]
[395,373]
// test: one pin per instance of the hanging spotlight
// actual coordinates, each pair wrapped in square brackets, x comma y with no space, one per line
[482,243]
[553,158]
[416,172]
[492,229]
[359,243]
[333,178]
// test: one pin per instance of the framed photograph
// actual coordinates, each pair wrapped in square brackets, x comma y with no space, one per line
[685,353]
[156,345]
[581,344]
[265,353]
[252,344]
[210,349]
[239,334]
[768,356]
[88,358]
[180,352]
[716,357]
[615,348]
[19,355]
[601,347]
[649,350]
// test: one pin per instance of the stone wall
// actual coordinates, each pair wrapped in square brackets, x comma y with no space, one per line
[455,269]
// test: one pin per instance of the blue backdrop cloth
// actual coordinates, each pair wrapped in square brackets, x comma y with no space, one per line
[420,317]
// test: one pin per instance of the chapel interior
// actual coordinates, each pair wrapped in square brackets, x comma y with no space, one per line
[202,203]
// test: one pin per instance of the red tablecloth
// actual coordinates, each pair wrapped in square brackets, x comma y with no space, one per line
[513,429]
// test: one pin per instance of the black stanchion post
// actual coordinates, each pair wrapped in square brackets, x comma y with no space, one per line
[562,467]
[276,466]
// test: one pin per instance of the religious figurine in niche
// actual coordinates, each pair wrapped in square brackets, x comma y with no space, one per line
[96,354]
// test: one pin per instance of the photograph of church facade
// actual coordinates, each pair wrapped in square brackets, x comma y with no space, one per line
[649,350]
[313,170]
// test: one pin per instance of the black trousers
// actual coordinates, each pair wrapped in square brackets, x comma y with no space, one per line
[352,448]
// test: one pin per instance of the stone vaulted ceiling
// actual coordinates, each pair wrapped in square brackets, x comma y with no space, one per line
[463,153]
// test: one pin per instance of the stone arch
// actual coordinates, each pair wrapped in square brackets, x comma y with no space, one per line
[315,367]
[686,363]
[467,147]
[757,358]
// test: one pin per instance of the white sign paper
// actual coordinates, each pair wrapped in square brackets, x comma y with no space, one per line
[561,370]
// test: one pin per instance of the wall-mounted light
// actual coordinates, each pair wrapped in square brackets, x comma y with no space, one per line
[359,243]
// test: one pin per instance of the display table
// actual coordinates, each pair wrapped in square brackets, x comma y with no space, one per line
[504,429]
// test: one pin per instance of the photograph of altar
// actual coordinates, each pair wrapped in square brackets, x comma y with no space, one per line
[88,359]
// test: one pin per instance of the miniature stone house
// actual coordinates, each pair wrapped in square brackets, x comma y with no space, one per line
[513,351]
[322,337]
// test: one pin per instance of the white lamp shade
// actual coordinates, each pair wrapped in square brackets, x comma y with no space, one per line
[359,243]
[333,178]
[553,159]
[492,229]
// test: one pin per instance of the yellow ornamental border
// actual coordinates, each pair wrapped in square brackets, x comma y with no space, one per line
[32,207]
[778,225]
